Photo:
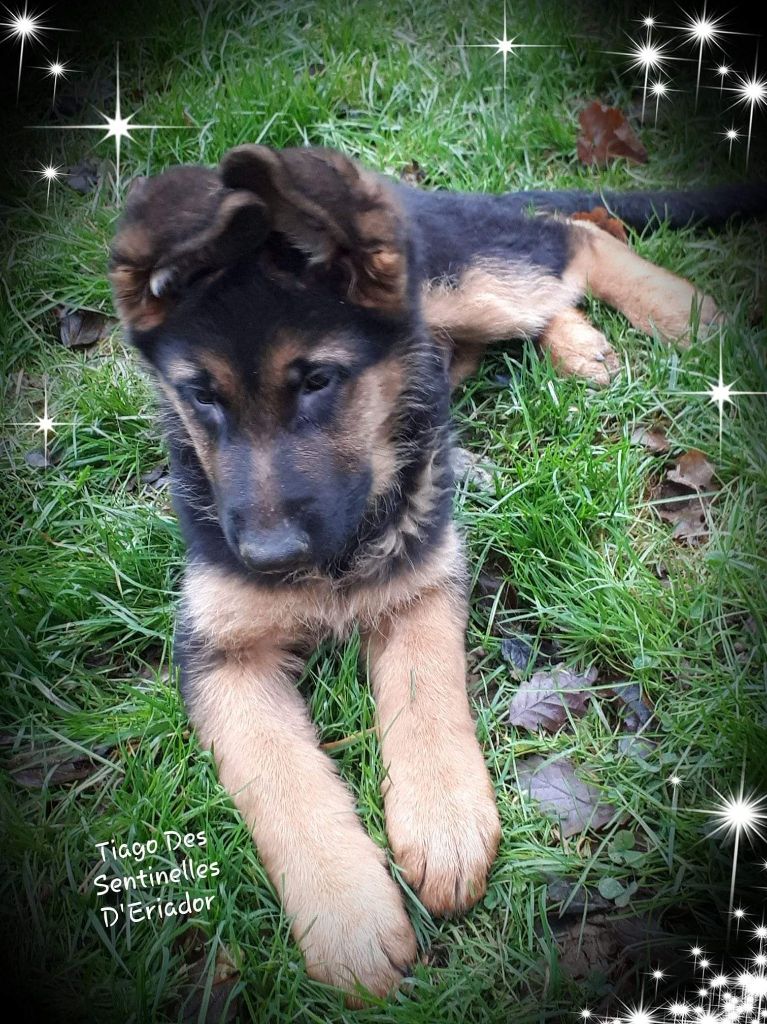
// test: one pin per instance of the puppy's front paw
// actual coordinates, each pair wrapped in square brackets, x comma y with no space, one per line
[444,832]
[579,350]
[356,935]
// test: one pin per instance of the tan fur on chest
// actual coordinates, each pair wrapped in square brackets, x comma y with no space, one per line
[229,612]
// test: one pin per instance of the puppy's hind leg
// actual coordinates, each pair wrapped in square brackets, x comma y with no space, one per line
[651,297]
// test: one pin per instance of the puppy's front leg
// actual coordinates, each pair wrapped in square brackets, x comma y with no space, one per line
[441,816]
[347,912]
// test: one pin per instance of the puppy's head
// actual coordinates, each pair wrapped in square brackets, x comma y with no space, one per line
[272,299]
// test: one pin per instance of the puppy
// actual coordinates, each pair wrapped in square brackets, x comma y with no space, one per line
[304,320]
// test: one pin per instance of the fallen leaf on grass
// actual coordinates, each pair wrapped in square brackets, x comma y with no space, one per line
[601,217]
[561,795]
[39,460]
[680,501]
[82,177]
[689,519]
[693,470]
[207,999]
[53,766]
[547,700]
[637,747]
[412,173]
[518,652]
[574,898]
[607,944]
[465,466]
[637,712]
[156,478]
[81,327]
[653,440]
[606,136]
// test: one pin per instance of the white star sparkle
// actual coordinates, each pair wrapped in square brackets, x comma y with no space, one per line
[679,1010]
[704,31]
[720,394]
[56,69]
[639,1015]
[723,70]
[735,997]
[118,127]
[751,92]
[738,915]
[659,89]
[646,56]
[49,173]
[506,46]
[44,424]
[24,27]
[739,815]
[732,135]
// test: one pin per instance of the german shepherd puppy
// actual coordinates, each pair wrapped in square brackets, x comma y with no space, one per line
[304,319]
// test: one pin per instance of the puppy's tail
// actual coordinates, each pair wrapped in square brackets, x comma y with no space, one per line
[711,207]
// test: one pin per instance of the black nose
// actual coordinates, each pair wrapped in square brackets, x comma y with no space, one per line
[280,547]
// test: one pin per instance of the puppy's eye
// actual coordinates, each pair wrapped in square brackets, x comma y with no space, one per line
[319,379]
[203,398]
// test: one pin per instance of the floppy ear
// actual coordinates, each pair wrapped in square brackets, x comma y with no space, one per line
[178,227]
[345,219]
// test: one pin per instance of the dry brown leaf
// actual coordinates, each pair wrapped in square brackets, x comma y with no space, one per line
[225,975]
[561,795]
[606,136]
[548,699]
[693,470]
[681,501]
[601,217]
[466,466]
[53,766]
[689,519]
[653,440]
[81,327]
[83,177]
[413,173]
[606,944]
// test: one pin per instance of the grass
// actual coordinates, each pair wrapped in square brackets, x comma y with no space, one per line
[92,559]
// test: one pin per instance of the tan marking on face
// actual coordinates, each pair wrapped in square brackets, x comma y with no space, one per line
[202,444]
[180,371]
[651,297]
[368,421]
[266,485]
[225,379]
[333,350]
[493,301]
[286,348]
